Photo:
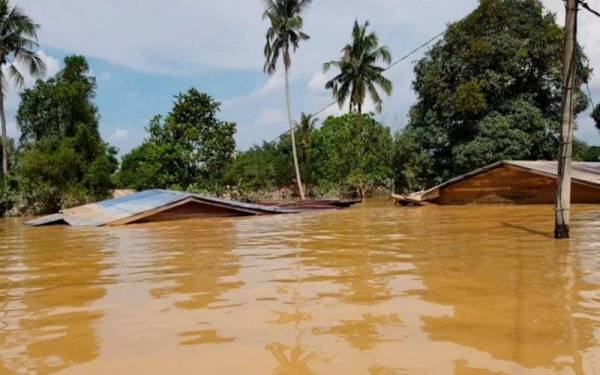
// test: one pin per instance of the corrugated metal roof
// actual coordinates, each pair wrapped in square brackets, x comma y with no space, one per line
[120,209]
[588,172]
[582,172]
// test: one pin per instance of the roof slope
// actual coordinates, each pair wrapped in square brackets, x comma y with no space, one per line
[134,206]
[587,173]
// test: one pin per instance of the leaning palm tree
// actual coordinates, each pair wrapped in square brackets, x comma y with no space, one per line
[285,33]
[359,73]
[17,42]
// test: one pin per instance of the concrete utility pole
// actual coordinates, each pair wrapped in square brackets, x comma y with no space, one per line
[563,188]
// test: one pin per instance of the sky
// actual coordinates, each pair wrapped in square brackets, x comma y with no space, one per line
[144,52]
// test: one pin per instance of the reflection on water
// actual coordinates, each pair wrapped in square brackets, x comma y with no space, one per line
[47,307]
[373,289]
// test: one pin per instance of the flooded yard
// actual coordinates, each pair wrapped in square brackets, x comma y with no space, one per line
[374,289]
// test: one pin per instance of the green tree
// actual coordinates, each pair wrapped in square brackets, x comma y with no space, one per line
[62,160]
[596,116]
[304,131]
[7,182]
[359,73]
[190,148]
[285,33]
[17,42]
[260,169]
[490,90]
[57,106]
[353,151]
[592,154]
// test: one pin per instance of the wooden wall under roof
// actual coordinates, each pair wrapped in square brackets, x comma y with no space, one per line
[511,185]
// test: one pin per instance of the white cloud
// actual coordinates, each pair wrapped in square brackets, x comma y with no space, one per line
[119,134]
[272,116]
[186,37]
[103,77]
[276,82]
[317,81]
[11,128]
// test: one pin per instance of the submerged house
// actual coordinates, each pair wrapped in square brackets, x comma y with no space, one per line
[153,205]
[512,181]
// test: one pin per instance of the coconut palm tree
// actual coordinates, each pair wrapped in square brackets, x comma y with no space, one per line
[305,128]
[18,39]
[359,73]
[285,33]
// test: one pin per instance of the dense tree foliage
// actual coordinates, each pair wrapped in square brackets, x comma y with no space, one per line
[348,155]
[596,116]
[359,75]
[61,160]
[352,152]
[188,149]
[490,90]
[261,169]
[56,107]
[583,152]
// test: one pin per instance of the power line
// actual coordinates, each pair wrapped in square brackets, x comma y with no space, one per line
[588,8]
[406,56]
[590,95]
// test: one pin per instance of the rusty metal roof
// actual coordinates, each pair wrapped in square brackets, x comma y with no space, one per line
[587,173]
[582,171]
[135,206]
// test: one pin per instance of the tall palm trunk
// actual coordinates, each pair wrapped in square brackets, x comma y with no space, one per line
[4,135]
[292,133]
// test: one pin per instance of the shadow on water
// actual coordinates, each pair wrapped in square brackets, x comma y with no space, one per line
[529,230]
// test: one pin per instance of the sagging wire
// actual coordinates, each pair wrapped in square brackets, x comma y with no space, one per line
[396,62]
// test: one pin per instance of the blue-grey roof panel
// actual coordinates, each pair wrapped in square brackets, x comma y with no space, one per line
[122,208]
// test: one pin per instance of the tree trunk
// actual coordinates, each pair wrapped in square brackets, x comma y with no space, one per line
[563,188]
[292,134]
[4,135]
[359,108]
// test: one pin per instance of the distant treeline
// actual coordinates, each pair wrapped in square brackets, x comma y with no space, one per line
[489,90]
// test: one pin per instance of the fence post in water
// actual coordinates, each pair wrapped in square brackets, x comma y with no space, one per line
[563,187]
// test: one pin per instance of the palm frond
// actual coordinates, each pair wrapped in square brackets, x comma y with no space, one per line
[359,72]
[15,76]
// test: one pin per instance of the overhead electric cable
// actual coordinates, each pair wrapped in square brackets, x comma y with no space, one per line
[406,56]
[586,6]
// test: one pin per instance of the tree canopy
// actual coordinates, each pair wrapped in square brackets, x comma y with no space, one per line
[61,160]
[352,152]
[285,31]
[189,148]
[490,90]
[359,75]
[596,116]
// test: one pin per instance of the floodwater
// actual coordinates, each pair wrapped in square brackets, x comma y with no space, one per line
[375,289]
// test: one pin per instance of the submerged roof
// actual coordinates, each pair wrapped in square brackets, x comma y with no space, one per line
[587,173]
[136,206]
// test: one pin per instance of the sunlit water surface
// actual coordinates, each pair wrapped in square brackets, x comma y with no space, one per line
[374,289]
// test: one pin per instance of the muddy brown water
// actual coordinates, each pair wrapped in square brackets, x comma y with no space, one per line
[374,289]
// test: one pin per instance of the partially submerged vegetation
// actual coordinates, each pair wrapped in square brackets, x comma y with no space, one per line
[489,90]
